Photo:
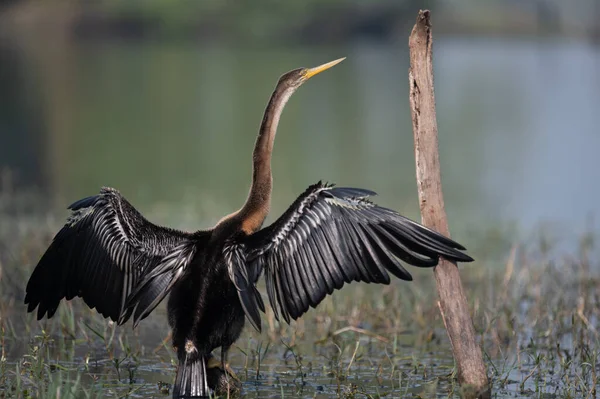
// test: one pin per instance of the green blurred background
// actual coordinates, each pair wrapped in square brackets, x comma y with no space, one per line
[163,99]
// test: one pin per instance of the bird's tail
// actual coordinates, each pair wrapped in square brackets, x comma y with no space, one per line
[191,381]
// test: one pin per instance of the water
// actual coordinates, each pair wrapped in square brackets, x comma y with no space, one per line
[172,127]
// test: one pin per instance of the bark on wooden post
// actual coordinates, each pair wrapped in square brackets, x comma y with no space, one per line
[452,303]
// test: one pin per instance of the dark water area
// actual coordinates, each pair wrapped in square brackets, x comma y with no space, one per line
[20,124]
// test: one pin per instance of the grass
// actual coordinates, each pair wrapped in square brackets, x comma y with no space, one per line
[536,312]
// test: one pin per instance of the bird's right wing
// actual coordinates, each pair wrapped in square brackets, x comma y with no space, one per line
[330,236]
[111,256]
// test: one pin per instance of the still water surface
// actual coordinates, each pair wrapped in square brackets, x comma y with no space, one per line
[173,127]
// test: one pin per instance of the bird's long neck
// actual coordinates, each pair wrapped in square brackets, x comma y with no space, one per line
[256,208]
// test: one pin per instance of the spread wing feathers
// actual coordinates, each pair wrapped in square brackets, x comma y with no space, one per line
[244,279]
[103,252]
[331,236]
[157,282]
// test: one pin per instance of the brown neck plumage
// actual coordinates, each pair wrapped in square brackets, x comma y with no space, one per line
[256,208]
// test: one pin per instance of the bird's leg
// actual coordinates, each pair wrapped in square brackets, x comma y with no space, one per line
[224,365]
[228,371]
[224,356]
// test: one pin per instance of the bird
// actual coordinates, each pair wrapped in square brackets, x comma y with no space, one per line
[123,265]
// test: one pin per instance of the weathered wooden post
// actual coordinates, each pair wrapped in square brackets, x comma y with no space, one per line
[452,301]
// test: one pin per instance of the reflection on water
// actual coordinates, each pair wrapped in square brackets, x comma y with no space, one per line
[173,126]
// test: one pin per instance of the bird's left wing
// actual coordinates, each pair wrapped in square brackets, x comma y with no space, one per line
[111,256]
[330,236]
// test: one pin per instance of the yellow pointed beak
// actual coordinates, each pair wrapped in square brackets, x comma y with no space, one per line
[316,70]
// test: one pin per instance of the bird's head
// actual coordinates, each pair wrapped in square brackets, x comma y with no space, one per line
[293,79]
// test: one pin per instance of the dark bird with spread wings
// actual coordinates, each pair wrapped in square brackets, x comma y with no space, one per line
[123,265]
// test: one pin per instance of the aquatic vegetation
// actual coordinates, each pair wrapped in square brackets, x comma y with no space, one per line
[537,313]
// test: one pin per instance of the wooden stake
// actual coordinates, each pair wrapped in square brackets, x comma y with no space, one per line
[453,303]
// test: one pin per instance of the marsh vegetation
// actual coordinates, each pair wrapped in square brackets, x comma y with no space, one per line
[535,310]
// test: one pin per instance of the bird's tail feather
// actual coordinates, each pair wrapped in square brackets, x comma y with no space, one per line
[191,381]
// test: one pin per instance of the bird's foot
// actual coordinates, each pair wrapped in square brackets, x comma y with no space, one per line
[222,379]
[231,373]
[214,363]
